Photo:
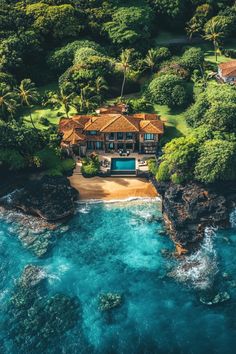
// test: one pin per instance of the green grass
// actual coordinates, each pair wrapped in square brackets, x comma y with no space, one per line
[175,122]
[53,115]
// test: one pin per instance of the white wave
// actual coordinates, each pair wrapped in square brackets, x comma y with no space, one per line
[199,268]
[129,199]
[8,197]
[232,219]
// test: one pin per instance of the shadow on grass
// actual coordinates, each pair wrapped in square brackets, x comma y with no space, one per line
[171,133]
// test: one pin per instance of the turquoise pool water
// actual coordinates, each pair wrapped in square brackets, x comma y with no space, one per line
[120,248]
[123,164]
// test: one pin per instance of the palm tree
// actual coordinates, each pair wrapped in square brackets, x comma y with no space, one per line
[62,99]
[124,63]
[28,95]
[151,59]
[8,103]
[100,87]
[192,28]
[214,32]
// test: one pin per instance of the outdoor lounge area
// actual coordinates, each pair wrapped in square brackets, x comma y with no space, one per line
[114,164]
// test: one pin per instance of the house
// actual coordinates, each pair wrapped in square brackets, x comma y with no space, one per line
[113,129]
[227,71]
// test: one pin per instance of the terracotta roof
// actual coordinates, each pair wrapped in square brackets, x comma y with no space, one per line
[68,124]
[82,119]
[72,136]
[228,69]
[152,127]
[118,108]
[121,124]
[146,116]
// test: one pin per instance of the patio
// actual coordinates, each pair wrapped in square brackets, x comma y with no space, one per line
[141,161]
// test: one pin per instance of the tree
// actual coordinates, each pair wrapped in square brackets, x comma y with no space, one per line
[168,90]
[57,22]
[8,102]
[129,24]
[125,64]
[217,161]
[215,31]
[28,95]
[222,117]
[192,58]
[155,57]
[62,58]
[62,99]
[215,108]
[100,87]
[151,59]
[179,158]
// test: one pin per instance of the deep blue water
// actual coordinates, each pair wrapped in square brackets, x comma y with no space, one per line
[118,248]
[122,164]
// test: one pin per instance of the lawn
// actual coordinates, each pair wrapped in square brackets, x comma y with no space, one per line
[175,122]
[53,116]
[38,112]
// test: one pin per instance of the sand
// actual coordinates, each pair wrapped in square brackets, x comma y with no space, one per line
[110,188]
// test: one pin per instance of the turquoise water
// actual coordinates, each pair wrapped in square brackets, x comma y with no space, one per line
[122,164]
[120,248]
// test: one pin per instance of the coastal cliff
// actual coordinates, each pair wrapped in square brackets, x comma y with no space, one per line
[189,209]
[50,198]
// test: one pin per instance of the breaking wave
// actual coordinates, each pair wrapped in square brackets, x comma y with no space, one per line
[199,268]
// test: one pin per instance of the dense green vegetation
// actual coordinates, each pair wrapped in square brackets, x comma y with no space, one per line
[59,57]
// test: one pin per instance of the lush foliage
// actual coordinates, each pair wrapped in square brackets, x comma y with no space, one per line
[90,166]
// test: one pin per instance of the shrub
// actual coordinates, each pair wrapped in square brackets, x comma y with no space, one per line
[44,121]
[139,105]
[90,166]
[163,173]
[176,178]
[12,159]
[192,58]
[152,166]
[167,90]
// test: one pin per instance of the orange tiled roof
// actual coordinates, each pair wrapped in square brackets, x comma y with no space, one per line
[97,123]
[121,124]
[68,124]
[146,116]
[72,136]
[82,119]
[152,127]
[228,69]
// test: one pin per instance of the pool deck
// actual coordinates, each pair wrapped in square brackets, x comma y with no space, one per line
[111,188]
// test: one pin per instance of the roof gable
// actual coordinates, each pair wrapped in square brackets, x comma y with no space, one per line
[152,126]
[121,124]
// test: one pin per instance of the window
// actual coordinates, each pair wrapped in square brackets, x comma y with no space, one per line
[111,136]
[148,136]
[111,146]
[92,132]
[90,145]
[120,136]
[129,136]
[98,145]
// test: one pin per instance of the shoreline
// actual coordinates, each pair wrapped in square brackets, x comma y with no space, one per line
[112,188]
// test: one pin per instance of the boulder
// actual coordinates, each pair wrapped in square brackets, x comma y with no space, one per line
[189,209]
[51,198]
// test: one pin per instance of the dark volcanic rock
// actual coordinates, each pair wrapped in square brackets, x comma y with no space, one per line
[51,198]
[187,210]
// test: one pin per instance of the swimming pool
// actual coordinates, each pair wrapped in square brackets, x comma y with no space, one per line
[123,164]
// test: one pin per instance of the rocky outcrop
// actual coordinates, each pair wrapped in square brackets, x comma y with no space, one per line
[51,198]
[189,209]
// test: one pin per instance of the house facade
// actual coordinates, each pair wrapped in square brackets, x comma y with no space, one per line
[111,130]
[227,71]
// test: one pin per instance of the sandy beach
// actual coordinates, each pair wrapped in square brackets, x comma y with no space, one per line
[109,188]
